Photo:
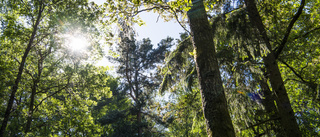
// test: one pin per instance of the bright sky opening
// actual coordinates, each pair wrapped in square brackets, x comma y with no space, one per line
[154,29]
[78,43]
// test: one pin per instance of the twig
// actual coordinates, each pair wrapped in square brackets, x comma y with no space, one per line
[307,33]
[286,36]
[292,69]
[176,17]
[262,122]
[36,107]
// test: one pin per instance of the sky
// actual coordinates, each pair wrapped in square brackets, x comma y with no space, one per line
[157,30]
[153,29]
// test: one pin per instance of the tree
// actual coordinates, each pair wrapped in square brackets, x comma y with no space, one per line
[40,8]
[135,59]
[42,31]
[115,113]
[182,112]
[213,97]
[250,44]
[287,118]
[240,60]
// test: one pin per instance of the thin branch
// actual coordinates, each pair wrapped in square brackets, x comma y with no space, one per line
[29,73]
[176,17]
[149,9]
[46,89]
[292,80]
[36,107]
[304,67]
[262,122]
[15,58]
[179,48]
[292,69]
[307,33]
[286,36]
[158,18]
[128,78]
[165,8]
[308,83]
[44,36]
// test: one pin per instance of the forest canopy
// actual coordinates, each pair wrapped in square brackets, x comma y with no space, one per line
[240,68]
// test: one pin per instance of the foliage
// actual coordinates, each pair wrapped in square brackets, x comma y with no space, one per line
[182,110]
[56,88]
[137,62]
[248,51]
[60,93]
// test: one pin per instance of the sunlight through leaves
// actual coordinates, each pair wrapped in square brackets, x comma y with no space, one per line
[77,43]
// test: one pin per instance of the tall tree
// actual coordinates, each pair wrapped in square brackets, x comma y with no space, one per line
[183,112]
[39,8]
[287,118]
[135,59]
[214,103]
[247,39]
[239,56]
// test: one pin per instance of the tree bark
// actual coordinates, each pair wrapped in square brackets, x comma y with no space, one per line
[139,123]
[286,114]
[269,104]
[31,107]
[21,68]
[268,98]
[287,118]
[214,102]
[137,94]
[33,93]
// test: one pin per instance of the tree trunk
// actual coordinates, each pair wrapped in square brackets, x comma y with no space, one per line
[30,113]
[137,94]
[286,114]
[139,123]
[18,78]
[214,102]
[33,93]
[287,118]
[268,102]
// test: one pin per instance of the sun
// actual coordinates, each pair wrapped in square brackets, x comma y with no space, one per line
[77,43]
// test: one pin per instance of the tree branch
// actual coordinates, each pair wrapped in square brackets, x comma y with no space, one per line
[36,107]
[44,36]
[309,82]
[286,36]
[149,9]
[307,33]
[176,17]
[292,69]
[292,79]
[262,122]
[128,78]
